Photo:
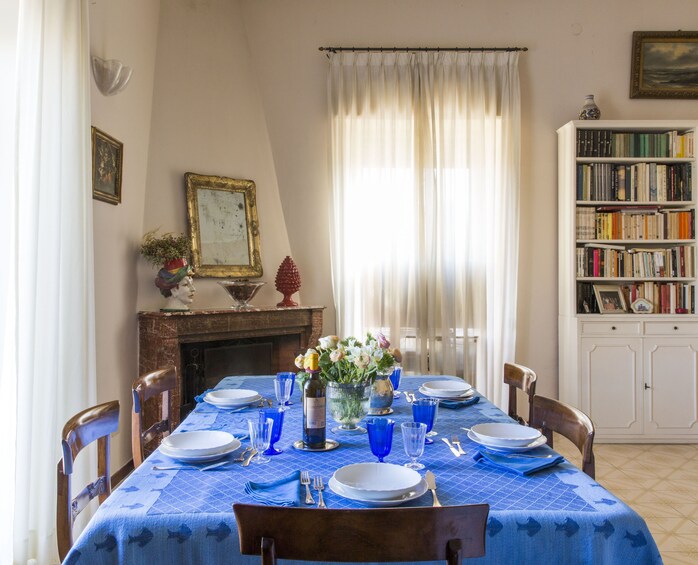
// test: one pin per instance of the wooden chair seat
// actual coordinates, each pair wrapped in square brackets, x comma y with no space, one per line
[95,423]
[364,535]
[550,416]
[522,378]
[156,385]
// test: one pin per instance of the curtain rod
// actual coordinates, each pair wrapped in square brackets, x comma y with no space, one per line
[381,49]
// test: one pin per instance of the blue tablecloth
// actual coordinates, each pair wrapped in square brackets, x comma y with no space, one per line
[558,515]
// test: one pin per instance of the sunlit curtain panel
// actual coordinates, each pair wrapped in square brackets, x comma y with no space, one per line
[47,363]
[425,178]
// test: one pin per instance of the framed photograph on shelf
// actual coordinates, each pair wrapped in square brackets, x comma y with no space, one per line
[610,299]
[107,162]
[664,64]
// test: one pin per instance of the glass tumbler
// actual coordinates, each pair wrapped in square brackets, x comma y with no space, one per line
[260,435]
[413,436]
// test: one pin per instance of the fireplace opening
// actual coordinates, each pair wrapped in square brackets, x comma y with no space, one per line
[204,364]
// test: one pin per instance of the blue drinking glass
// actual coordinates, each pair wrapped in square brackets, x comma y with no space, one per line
[380,436]
[277,416]
[424,411]
[395,380]
[288,375]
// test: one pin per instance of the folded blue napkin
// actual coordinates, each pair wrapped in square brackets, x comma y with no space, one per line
[453,404]
[200,397]
[520,465]
[281,492]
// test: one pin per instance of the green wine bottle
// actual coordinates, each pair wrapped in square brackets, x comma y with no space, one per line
[314,403]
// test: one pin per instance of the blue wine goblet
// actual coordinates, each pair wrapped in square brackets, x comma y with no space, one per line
[395,379]
[277,415]
[424,411]
[380,436]
[413,436]
[288,375]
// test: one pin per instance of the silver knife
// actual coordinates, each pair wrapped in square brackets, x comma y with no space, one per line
[451,447]
[431,483]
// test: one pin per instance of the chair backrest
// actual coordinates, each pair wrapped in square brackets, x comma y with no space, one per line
[157,385]
[95,423]
[550,416]
[523,378]
[362,535]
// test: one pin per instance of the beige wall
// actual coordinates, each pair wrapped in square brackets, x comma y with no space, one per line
[239,90]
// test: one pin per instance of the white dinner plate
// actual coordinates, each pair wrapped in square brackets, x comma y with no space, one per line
[418,491]
[177,456]
[512,449]
[431,394]
[377,481]
[232,403]
[448,388]
[505,434]
[199,442]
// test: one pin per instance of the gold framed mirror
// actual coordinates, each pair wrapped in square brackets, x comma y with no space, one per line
[223,226]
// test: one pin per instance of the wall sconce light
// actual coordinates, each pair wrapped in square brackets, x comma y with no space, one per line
[111,76]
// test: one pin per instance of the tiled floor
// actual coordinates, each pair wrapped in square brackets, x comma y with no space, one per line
[660,482]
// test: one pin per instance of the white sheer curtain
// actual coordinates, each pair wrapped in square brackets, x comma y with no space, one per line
[47,369]
[425,165]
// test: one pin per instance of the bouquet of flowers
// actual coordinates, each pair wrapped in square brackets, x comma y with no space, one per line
[351,361]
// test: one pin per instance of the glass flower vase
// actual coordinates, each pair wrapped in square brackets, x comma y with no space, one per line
[348,405]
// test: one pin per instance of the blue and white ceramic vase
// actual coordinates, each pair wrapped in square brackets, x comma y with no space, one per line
[590,111]
[381,394]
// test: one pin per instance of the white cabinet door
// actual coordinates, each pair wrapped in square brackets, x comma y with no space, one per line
[671,385]
[612,384]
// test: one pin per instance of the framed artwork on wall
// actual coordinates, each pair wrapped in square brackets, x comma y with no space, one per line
[610,299]
[223,226]
[664,64]
[107,162]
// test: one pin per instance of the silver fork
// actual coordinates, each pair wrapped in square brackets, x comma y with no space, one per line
[305,480]
[455,441]
[319,485]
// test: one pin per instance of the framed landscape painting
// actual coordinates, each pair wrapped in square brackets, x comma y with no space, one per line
[107,161]
[664,64]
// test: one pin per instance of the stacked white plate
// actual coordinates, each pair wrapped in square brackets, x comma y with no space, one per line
[377,484]
[199,446]
[232,397]
[505,437]
[447,390]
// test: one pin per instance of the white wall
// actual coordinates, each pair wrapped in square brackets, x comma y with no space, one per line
[124,30]
[207,119]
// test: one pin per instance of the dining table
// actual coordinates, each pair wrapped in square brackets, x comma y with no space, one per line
[185,516]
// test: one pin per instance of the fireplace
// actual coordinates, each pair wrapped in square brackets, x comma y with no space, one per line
[207,345]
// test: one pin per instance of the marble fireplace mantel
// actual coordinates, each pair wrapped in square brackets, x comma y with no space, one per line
[282,332]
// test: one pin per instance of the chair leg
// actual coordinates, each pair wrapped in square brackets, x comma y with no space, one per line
[268,552]
[454,552]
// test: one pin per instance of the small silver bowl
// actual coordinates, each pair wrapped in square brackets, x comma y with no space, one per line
[241,292]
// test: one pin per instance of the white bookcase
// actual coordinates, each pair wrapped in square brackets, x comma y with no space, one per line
[627,205]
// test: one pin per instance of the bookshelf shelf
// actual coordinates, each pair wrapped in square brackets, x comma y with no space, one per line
[626,219]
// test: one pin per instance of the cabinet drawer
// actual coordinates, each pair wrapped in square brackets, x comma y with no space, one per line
[611,328]
[671,328]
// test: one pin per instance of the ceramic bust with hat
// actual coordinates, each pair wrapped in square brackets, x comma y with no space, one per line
[176,284]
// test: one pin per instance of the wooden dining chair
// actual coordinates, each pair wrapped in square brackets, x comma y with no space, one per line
[95,423]
[156,385]
[382,535]
[550,416]
[521,378]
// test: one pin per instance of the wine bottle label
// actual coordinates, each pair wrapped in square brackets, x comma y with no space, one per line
[315,413]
